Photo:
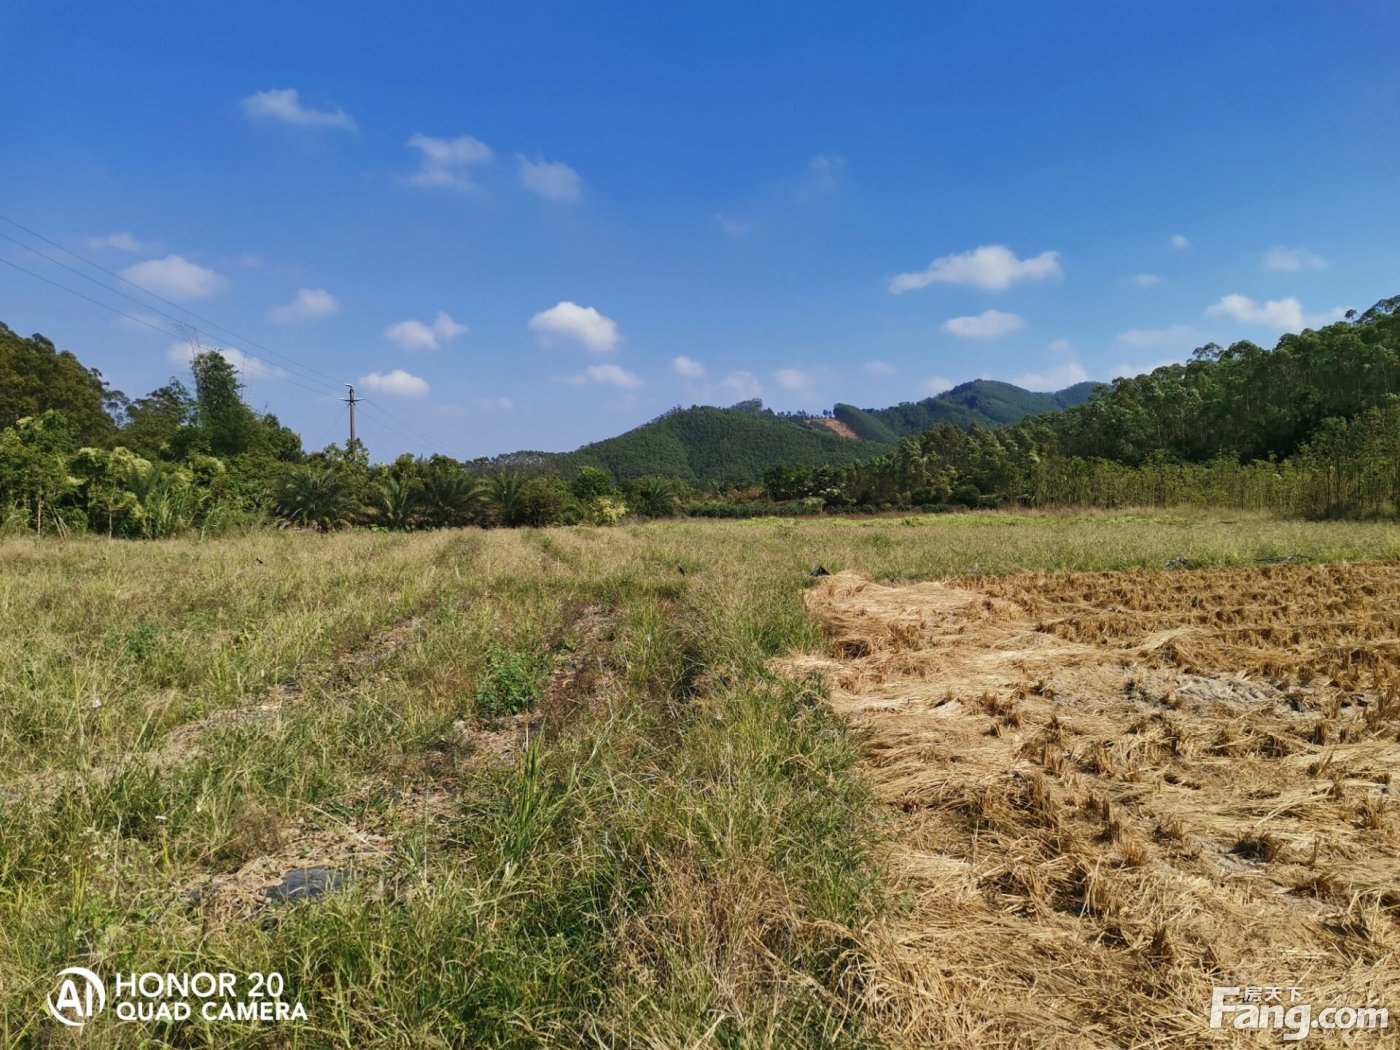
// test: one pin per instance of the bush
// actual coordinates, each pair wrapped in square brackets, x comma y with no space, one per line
[757,509]
[512,681]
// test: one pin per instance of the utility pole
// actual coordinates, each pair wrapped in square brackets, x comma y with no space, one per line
[352,401]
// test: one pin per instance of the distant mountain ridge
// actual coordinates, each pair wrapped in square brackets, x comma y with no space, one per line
[737,444]
[985,401]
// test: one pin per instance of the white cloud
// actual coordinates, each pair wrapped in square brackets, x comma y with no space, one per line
[742,385]
[824,173]
[615,376]
[247,366]
[175,277]
[415,335]
[1059,346]
[285,105]
[1291,260]
[1179,242]
[551,180]
[1055,379]
[573,323]
[733,227]
[989,324]
[397,382]
[445,163]
[1121,370]
[1146,280]
[794,380]
[991,267]
[494,404]
[937,384]
[879,368]
[1278,314]
[309,304]
[122,242]
[1175,335]
[687,367]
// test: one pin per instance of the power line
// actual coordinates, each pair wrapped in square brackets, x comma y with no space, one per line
[334,423]
[386,425]
[308,374]
[246,363]
[404,425]
[154,295]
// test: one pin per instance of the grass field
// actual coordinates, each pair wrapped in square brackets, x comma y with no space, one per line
[568,792]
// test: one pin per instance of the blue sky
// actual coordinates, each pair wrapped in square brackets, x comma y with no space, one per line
[534,225]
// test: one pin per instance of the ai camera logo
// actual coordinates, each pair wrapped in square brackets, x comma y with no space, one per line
[79,997]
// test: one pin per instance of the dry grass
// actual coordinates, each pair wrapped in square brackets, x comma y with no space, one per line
[574,804]
[1096,826]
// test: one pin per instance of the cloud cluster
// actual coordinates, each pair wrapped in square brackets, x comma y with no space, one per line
[569,322]
[614,375]
[415,335]
[1054,379]
[989,324]
[1175,335]
[309,304]
[398,383]
[1291,260]
[447,163]
[730,225]
[284,105]
[1283,314]
[552,180]
[794,380]
[991,267]
[122,242]
[741,385]
[824,174]
[175,277]
[687,368]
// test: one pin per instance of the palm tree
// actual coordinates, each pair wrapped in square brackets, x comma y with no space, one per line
[450,496]
[397,500]
[656,496]
[505,494]
[314,497]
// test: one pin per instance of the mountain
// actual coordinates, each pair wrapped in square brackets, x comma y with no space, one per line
[701,444]
[983,401]
[736,444]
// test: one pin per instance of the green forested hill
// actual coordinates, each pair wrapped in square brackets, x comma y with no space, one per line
[984,401]
[1311,426]
[718,444]
[702,443]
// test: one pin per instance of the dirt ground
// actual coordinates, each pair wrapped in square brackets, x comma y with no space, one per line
[1114,791]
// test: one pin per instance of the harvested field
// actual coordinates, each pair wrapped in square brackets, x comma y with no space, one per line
[522,788]
[1114,791]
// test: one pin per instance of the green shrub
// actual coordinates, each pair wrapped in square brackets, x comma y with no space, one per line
[512,682]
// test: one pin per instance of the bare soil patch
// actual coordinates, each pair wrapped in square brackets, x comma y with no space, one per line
[1114,791]
[836,427]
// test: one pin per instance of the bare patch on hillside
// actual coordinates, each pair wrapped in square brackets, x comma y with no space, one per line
[835,426]
[1115,791]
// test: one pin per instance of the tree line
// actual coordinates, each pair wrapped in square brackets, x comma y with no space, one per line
[78,456]
[1311,427]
